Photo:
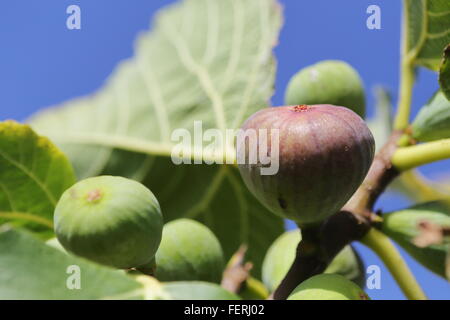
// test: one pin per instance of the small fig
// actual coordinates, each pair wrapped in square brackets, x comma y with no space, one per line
[328,287]
[328,82]
[433,120]
[281,255]
[110,220]
[403,227]
[324,153]
[197,290]
[189,251]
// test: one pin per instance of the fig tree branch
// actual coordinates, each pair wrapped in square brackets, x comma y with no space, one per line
[237,271]
[420,154]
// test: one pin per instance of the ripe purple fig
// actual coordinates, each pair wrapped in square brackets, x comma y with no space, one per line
[324,153]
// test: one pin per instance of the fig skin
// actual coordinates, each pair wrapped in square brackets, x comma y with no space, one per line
[331,82]
[189,251]
[281,255]
[328,287]
[110,220]
[325,152]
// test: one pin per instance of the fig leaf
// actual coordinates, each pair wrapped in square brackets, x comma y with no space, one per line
[30,269]
[444,73]
[427,31]
[196,65]
[403,227]
[34,174]
[433,120]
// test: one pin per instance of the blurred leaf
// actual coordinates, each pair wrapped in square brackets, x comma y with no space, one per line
[433,120]
[419,188]
[30,269]
[444,73]
[403,227]
[33,175]
[381,124]
[253,289]
[197,290]
[428,31]
[208,61]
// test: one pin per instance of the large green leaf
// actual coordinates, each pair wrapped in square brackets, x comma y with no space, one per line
[30,269]
[205,60]
[444,72]
[33,175]
[433,120]
[427,31]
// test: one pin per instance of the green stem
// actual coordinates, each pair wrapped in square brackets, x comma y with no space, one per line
[405,96]
[386,250]
[406,79]
[416,186]
[27,216]
[414,156]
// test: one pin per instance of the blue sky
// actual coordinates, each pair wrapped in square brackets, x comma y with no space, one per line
[43,63]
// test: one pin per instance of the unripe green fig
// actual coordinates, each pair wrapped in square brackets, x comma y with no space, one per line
[328,82]
[433,120]
[328,287]
[403,227]
[110,220]
[324,153]
[197,290]
[281,255]
[189,251]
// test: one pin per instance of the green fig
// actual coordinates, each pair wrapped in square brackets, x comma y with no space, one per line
[197,290]
[281,255]
[328,287]
[110,220]
[319,157]
[433,120]
[403,227]
[328,82]
[189,251]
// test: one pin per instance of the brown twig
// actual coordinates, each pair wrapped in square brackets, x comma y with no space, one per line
[237,271]
[320,244]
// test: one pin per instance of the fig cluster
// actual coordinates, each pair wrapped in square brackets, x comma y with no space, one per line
[118,222]
[324,153]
